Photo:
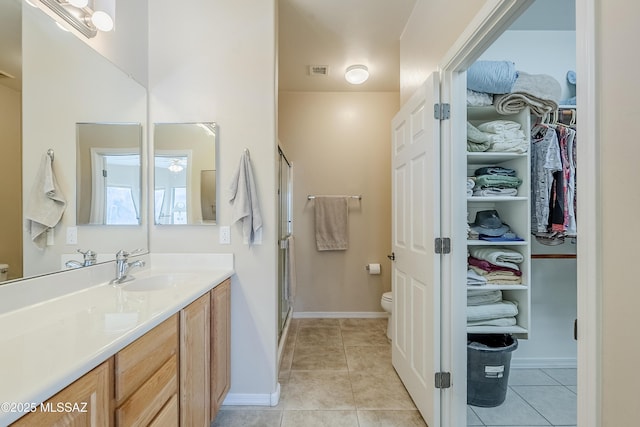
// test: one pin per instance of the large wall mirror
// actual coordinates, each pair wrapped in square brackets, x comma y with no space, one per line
[56,82]
[184,173]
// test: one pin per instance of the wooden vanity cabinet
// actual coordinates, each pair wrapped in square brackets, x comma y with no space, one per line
[220,344]
[85,403]
[195,363]
[178,373]
[146,378]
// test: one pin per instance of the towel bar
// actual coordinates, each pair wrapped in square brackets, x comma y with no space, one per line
[351,197]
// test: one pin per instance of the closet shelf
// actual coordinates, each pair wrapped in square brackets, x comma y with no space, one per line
[497,199]
[494,157]
[496,330]
[498,287]
[488,243]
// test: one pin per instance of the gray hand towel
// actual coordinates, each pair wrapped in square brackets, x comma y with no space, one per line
[45,204]
[244,198]
[331,215]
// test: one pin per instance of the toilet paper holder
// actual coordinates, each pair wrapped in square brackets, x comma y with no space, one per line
[373,268]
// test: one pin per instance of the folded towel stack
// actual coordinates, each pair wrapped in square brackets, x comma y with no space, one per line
[497,266]
[492,76]
[496,181]
[478,99]
[540,92]
[501,135]
[471,183]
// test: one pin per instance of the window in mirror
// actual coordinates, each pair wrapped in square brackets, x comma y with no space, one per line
[184,173]
[109,173]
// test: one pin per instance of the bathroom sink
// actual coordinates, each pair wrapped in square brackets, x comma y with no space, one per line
[158,282]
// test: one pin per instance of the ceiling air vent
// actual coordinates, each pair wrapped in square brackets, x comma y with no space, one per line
[318,70]
[4,74]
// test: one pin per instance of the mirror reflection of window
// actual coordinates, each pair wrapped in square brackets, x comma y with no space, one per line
[171,185]
[114,201]
[185,173]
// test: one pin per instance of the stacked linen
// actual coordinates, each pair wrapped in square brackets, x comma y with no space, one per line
[471,183]
[540,92]
[504,136]
[494,77]
[495,181]
[493,274]
[476,139]
[487,308]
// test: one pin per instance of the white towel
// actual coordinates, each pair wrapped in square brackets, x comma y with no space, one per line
[496,310]
[244,198]
[503,321]
[498,256]
[45,205]
[499,126]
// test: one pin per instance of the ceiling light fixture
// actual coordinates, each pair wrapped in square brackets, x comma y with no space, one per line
[175,166]
[84,16]
[357,74]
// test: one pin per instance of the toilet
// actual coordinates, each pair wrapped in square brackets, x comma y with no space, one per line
[4,272]
[387,305]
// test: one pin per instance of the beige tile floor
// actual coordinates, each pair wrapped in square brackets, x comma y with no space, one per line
[333,373]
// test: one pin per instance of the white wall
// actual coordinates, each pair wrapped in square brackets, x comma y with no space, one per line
[538,52]
[215,61]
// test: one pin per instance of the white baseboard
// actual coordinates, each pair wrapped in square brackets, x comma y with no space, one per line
[247,399]
[339,314]
[542,362]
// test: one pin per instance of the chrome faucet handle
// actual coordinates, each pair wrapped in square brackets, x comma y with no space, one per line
[89,255]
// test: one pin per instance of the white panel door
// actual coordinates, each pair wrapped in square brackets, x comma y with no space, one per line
[416,269]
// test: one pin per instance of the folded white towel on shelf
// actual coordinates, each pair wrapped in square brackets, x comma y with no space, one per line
[495,310]
[503,321]
[498,256]
[45,205]
[499,126]
[244,198]
[480,296]
[495,192]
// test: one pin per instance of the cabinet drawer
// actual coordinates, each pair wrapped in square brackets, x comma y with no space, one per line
[168,416]
[151,398]
[141,359]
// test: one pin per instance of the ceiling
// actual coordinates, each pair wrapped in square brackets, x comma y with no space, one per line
[340,33]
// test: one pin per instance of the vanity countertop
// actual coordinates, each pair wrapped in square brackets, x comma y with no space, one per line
[48,345]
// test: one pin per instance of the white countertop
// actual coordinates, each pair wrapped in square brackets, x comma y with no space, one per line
[47,345]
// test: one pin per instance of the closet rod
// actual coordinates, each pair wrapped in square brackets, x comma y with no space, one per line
[351,197]
[553,256]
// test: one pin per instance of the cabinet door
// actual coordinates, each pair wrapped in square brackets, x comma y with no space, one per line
[194,363]
[220,344]
[85,403]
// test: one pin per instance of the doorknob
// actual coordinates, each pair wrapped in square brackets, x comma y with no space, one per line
[392,257]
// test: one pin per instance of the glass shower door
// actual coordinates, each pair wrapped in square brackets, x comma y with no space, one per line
[285,230]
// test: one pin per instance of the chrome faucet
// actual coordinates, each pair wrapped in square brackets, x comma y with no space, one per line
[89,259]
[123,266]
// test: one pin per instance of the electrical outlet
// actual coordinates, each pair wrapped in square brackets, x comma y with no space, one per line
[72,235]
[225,235]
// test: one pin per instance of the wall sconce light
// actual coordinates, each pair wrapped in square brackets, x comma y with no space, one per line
[357,74]
[83,15]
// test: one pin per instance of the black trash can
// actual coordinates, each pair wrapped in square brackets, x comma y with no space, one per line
[488,361]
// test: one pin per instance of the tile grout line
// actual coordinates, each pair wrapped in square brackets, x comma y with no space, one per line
[532,407]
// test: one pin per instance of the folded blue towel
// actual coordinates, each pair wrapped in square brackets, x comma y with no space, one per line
[492,76]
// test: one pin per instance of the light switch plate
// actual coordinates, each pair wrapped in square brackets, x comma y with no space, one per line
[225,235]
[72,235]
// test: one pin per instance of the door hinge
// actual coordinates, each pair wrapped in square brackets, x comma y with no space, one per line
[443,379]
[441,111]
[443,245]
